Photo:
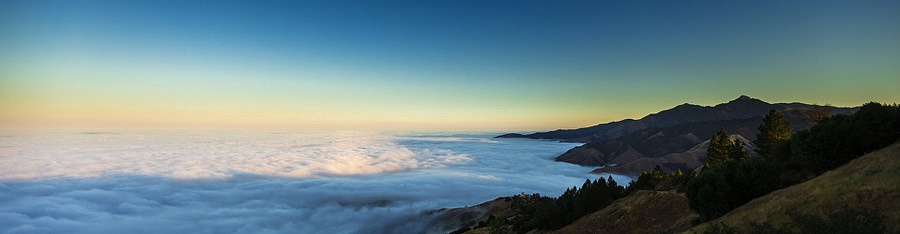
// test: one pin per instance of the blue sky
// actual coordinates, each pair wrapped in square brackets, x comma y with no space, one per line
[430,64]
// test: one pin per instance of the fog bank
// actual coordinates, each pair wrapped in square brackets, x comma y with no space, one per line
[286,182]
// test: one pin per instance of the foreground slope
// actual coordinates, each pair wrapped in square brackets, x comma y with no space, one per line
[871,183]
[643,212]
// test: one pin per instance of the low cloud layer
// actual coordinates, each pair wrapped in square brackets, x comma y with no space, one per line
[344,182]
[207,155]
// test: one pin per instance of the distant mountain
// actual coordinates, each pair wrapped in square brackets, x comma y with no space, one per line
[675,138]
[681,146]
[741,108]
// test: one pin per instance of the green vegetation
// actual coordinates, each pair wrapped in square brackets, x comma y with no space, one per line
[732,178]
[868,183]
[717,190]
[722,148]
[773,132]
[834,141]
[658,180]
[843,220]
[837,140]
[546,213]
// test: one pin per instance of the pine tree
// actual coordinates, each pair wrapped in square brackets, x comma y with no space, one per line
[720,148]
[773,131]
[737,150]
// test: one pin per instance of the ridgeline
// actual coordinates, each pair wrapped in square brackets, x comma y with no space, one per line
[812,180]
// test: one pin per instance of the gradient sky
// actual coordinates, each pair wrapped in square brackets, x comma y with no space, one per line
[455,65]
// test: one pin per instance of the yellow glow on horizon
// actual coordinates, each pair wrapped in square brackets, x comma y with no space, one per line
[73,113]
[86,110]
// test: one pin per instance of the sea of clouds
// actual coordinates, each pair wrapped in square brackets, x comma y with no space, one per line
[263,182]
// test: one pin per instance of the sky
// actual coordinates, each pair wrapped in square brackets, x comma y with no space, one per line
[447,65]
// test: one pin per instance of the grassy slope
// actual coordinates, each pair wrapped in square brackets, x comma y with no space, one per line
[871,181]
[643,212]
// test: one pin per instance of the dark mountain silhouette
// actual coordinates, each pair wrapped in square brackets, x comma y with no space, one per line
[681,146]
[741,108]
[675,138]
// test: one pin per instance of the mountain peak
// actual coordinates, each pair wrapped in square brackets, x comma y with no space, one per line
[745,99]
[686,105]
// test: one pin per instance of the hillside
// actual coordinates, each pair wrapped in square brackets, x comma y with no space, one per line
[447,220]
[675,139]
[643,212]
[691,159]
[870,183]
[825,179]
[675,147]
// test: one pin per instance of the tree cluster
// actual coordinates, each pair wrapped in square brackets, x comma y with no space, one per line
[730,177]
[783,162]
[839,139]
[546,213]
[593,196]
[722,148]
[659,180]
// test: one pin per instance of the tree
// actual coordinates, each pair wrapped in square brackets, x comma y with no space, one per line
[720,148]
[773,131]
[838,139]
[829,144]
[737,150]
[647,180]
[708,193]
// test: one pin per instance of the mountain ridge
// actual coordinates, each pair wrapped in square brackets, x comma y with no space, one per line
[674,138]
[741,107]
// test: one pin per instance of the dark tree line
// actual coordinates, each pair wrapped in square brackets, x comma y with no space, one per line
[659,180]
[784,160]
[730,177]
[547,213]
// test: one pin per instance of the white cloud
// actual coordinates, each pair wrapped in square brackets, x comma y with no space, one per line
[344,182]
[204,155]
